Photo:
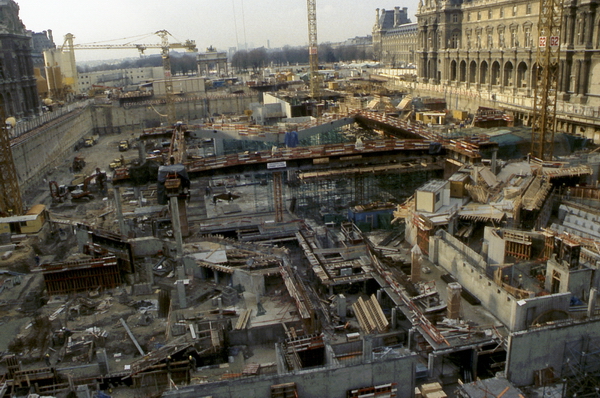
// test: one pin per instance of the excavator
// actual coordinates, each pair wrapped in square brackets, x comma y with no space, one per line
[81,192]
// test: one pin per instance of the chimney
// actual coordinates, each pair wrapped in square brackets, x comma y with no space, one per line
[377,16]
[454,290]
[396,16]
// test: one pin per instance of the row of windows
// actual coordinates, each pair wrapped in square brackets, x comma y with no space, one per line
[490,13]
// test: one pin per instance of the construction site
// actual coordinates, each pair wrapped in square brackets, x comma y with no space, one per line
[331,239]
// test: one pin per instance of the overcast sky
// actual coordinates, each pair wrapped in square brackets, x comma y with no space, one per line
[220,23]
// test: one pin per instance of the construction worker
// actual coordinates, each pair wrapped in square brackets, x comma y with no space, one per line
[192,363]
[168,362]
[47,359]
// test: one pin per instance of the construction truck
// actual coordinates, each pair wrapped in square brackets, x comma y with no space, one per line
[116,163]
[123,145]
[91,140]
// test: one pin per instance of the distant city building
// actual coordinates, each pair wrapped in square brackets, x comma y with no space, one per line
[18,88]
[41,41]
[212,60]
[492,46]
[394,38]
[118,78]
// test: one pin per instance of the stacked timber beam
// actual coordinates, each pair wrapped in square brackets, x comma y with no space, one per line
[370,315]
[536,193]
[567,171]
[242,321]
[297,291]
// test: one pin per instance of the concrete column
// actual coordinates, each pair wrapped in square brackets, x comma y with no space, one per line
[117,195]
[341,307]
[181,272]
[216,277]
[149,273]
[219,150]
[484,250]
[415,264]
[139,196]
[181,294]
[367,348]
[494,165]
[592,302]
[176,226]
[454,290]
[379,296]
[394,318]
[411,336]
[142,151]
[474,362]
[430,364]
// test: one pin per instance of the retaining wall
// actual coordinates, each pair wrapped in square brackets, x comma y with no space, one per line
[314,383]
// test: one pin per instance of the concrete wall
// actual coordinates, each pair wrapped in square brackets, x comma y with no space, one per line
[526,311]
[425,201]
[496,246]
[271,99]
[576,281]
[147,246]
[469,268]
[251,282]
[114,119]
[268,334]
[549,346]
[181,85]
[316,383]
[38,152]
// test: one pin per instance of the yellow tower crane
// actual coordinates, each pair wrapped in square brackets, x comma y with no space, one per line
[164,46]
[543,123]
[313,49]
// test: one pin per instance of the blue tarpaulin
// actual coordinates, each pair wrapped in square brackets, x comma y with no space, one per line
[291,139]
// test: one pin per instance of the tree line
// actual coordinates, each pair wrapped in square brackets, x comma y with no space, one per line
[181,64]
[261,57]
[184,63]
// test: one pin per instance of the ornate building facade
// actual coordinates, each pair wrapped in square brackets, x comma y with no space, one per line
[394,38]
[479,43]
[18,90]
[489,48]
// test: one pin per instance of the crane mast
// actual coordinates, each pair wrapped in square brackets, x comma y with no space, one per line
[313,49]
[543,123]
[166,59]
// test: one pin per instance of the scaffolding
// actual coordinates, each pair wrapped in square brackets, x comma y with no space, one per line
[581,367]
[316,198]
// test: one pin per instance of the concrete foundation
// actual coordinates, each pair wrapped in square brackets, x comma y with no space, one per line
[319,382]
